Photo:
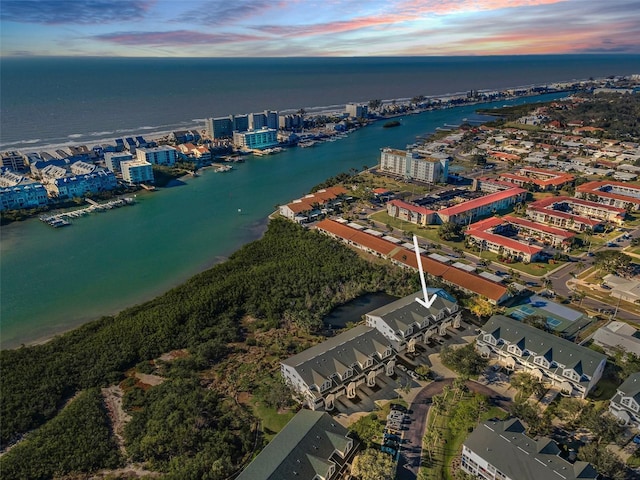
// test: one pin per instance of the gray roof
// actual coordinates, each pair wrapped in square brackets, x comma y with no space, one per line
[406,311]
[305,447]
[583,360]
[612,338]
[629,388]
[318,363]
[505,446]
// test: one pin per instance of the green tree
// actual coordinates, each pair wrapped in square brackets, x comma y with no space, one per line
[480,307]
[604,461]
[368,429]
[612,261]
[465,360]
[450,231]
[374,465]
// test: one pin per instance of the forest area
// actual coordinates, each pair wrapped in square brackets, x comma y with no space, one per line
[188,426]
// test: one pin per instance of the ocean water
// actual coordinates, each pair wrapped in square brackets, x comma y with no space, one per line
[51,101]
[55,279]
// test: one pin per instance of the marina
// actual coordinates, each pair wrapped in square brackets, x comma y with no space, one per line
[62,219]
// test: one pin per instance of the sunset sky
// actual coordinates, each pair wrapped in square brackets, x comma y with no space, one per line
[282,28]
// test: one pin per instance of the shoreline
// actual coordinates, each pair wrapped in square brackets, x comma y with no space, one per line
[257,232]
[157,133]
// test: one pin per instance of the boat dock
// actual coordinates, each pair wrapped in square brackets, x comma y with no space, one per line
[62,219]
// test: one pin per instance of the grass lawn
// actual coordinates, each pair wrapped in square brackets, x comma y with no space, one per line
[451,442]
[272,421]
[393,184]
[605,389]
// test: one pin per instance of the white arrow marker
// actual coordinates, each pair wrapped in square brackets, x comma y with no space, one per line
[427,302]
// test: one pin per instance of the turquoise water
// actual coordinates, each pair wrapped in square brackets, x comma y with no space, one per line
[55,279]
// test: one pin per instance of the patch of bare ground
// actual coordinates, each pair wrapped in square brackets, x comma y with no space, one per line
[117,416]
[172,355]
[145,379]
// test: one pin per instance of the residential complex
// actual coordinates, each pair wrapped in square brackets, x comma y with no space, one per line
[336,367]
[314,205]
[403,255]
[113,160]
[412,165]
[406,322]
[311,446]
[542,180]
[356,110]
[27,194]
[574,213]
[137,171]
[562,364]
[163,155]
[13,160]
[256,139]
[617,194]
[500,450]
[625,404]
[496,235]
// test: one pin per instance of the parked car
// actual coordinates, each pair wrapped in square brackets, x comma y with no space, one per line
[402,367]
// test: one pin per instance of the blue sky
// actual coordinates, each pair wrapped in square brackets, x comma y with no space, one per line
[249,28]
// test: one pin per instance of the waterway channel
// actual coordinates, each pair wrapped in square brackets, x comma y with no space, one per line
[55,279]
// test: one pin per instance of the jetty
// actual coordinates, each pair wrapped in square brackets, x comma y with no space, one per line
[62,219]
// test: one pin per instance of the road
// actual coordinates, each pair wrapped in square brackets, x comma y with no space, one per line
[411,451]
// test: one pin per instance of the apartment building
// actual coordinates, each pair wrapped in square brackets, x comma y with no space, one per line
[616,194]
[113,160]
[338,366]
[136,172]
[625,404]
[574,213]
[312,446]
[554,361]
[256,139]
[162,155]
[500,450]
[414,166]
[405,322]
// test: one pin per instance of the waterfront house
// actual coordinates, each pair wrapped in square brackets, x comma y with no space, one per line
[554,361]
[79,185]
[500,450]
[135,172]
[405,322]
[16,161]
[256,139]
[312,446]
[18,191]
[625,404]
[322,374]
[312,206]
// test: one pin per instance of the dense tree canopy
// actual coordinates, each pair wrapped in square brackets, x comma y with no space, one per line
[290,273]
[612,261]
[77,440]
[464,360]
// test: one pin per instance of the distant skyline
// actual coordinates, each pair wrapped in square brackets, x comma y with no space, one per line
[286,28]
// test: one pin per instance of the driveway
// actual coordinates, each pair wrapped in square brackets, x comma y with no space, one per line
[411,450]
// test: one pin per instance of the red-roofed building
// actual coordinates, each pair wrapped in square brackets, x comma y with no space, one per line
[312,206]
[490,234]
[574,213]
[616,194]
[483,206]
[544,180]
[410,213]
[503,156]
[469,282]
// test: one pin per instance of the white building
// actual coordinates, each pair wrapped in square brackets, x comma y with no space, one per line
[113,159]
[554,361]
[413,166]
[357,110]
[625,404]
[500,450]
[163,155]
[618,335]
[136,171]
[256,139]
[323,373]
[406,322]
